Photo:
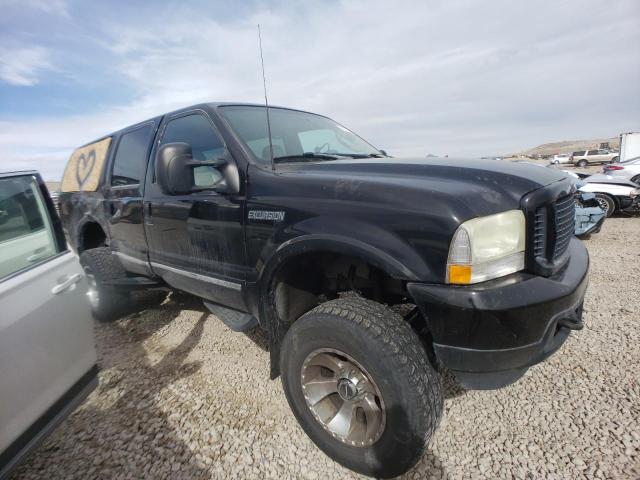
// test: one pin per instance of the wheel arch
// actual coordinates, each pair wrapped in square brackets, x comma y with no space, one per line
[306,247]
[90,233]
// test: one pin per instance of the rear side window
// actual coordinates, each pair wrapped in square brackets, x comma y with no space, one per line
[26,232]
[594,152]
[131,157]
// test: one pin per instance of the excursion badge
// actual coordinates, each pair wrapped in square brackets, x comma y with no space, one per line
[277,216]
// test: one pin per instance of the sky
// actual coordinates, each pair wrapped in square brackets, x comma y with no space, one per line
[460,77]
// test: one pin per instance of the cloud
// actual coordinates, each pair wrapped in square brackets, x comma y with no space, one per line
[22,66]
[464,78]
[55,7]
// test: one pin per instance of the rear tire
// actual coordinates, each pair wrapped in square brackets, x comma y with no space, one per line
[107,302]
[397,382]
[607,203]
[583,163]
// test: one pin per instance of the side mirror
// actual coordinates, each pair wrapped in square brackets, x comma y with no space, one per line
[383,152]
[175,169]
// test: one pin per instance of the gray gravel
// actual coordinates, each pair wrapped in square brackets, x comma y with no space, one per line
[181,396]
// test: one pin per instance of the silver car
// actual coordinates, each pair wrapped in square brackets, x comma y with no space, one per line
[47,353]
[559,158]
[629,169]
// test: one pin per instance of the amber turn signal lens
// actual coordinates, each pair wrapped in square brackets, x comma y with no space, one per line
[460,274]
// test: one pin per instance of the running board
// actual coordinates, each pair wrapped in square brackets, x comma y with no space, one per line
[133,283]
[234,319]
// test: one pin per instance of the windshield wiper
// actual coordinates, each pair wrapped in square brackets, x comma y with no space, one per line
[306,156]
[360,155]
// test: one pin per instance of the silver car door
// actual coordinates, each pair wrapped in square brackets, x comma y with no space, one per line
[592,156]
[601,156]
[47,352]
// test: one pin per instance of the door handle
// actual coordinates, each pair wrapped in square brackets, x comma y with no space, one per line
[115,209]
[65,282]
[148,219]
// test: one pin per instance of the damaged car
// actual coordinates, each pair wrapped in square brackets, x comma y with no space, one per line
[614,194]
[589,214]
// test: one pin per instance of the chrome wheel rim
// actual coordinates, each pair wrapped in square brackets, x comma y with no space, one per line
[604,205]
[343,397]
[93,294]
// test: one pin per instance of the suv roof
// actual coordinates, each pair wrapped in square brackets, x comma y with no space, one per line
[212,105]
[18,173]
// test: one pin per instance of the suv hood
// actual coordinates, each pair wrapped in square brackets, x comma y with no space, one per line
[479,187]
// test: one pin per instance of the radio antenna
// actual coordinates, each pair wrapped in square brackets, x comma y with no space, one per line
[266,102]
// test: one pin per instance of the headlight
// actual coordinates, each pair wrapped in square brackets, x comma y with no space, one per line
[634,193]
[487,247]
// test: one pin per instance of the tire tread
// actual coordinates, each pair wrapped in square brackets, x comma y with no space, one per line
[105,266]
[403,343]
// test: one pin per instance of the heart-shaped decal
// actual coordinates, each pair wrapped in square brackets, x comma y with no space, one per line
[84,167]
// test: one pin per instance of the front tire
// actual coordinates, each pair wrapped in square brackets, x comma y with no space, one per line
[107,302]
[606,203]
[583,163]
[360,384]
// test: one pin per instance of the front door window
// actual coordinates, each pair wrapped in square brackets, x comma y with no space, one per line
[206,144]
[26,233]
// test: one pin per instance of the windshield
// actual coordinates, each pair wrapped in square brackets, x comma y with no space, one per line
[295,135]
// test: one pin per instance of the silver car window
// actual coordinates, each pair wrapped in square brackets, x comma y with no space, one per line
[26,234]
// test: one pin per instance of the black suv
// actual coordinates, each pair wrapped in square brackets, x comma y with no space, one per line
[370,274]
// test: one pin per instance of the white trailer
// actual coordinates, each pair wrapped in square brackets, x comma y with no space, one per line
[629,146]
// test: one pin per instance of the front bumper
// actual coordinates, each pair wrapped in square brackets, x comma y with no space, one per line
[489,334]
[629,204]
[588,220]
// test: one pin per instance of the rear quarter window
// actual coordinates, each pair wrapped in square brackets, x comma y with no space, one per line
[85,166]
[130,160]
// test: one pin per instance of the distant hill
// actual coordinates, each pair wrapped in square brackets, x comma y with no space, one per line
[568,146]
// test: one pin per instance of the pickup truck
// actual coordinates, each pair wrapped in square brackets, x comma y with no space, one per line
[371,275]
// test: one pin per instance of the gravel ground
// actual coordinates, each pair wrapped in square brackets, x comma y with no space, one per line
[181,396]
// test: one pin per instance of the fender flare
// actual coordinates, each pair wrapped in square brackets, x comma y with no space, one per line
[336,244]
